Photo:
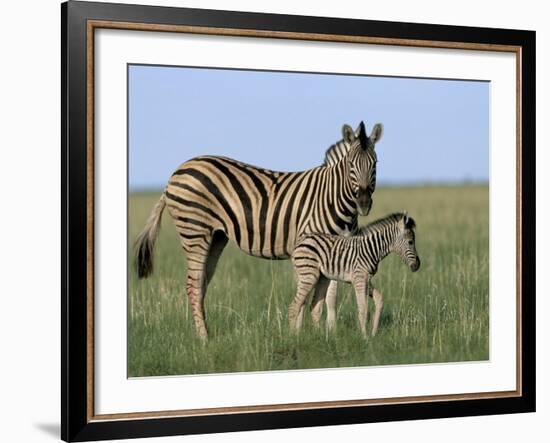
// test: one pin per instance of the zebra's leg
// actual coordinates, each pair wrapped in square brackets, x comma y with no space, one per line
[196,245]
[318,300]
[196,288]
[330,301]
[378,305]
[300,318]
[305,285]
[219,241]
[360,285]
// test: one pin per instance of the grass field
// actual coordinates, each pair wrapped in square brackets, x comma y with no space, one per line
[439,314]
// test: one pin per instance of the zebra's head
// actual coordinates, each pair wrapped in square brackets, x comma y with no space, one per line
[362,162]
[405,244]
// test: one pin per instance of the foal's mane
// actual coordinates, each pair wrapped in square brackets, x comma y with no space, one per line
[386,221]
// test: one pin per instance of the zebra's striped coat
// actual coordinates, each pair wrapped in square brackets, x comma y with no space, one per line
[318,258]
[213,199]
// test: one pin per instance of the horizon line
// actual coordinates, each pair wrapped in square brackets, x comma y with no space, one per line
[416,184]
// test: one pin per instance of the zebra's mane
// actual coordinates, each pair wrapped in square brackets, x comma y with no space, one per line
[336,152]
[382,223]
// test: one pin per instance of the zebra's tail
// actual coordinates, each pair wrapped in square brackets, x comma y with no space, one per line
[145,242]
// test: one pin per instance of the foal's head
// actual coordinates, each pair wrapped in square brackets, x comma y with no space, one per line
[405,244]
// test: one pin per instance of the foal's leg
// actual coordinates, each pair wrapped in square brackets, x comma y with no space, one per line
[318,299]
[378,305]
[360,285]
[330,301]
[295,310]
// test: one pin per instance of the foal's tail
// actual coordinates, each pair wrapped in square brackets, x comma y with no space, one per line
[145,241]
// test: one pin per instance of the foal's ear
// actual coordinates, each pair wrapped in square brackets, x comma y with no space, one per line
[347,134]
[408,221]
[376,133]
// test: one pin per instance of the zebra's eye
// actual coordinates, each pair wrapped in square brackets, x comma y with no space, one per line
[410,242]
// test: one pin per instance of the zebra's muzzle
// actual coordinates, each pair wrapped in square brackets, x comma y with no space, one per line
[416,265]
[364,206]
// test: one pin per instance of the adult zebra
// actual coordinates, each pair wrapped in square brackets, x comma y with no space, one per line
[213,199]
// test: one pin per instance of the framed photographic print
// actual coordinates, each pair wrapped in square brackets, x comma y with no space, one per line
[276,221]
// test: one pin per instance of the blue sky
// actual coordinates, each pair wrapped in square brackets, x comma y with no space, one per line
[435,131]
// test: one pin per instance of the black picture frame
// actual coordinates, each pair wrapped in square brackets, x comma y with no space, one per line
[76,422]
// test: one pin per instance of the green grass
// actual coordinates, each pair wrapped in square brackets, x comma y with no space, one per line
[439,314]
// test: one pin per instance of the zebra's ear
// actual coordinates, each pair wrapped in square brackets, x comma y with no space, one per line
[347,134]
[376,133]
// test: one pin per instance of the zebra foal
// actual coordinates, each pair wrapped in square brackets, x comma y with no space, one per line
[320,258]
